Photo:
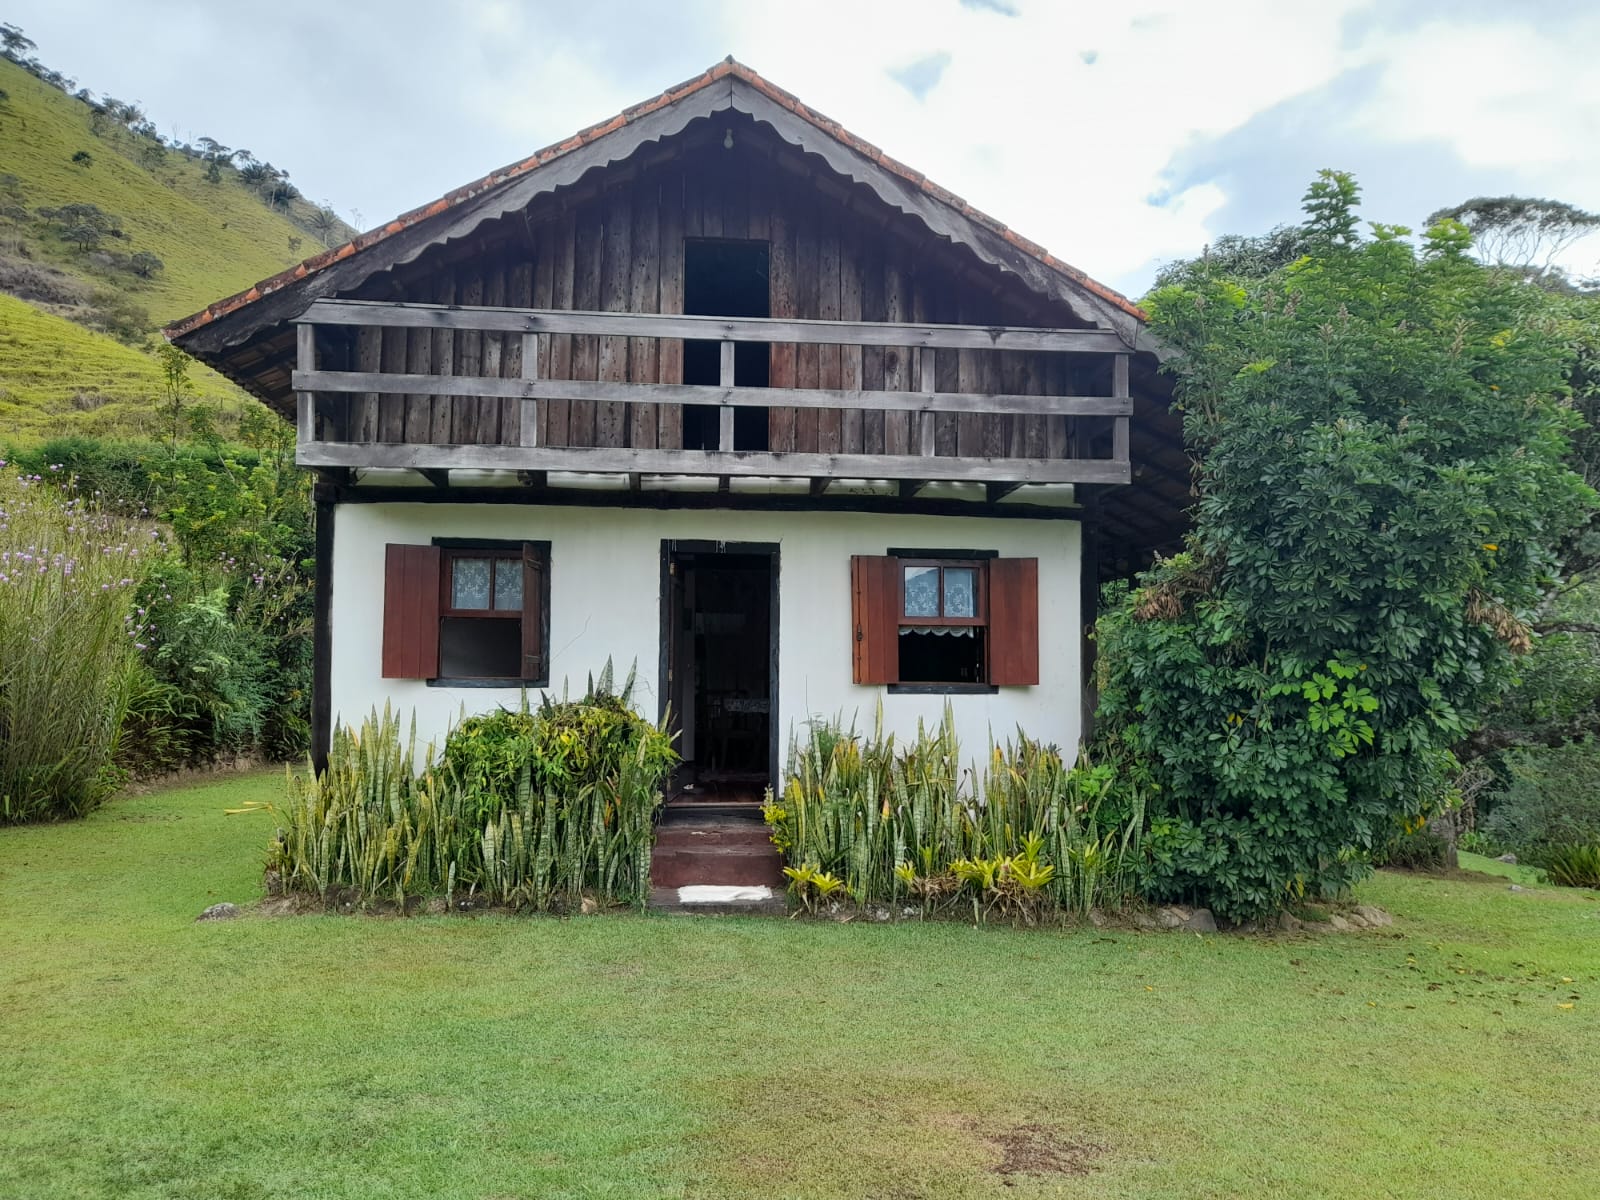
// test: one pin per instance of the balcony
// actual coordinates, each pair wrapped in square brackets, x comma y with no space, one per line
[403,408]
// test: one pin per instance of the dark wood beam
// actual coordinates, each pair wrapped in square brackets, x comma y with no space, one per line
[434,476]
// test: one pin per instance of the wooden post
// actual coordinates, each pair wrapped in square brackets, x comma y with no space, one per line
[929,386]
[725,432]
[1119,391]
[305,337]
[530,407]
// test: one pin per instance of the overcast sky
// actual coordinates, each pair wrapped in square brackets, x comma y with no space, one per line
[1119,135]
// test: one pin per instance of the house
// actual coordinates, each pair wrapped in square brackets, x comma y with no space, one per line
[718,389]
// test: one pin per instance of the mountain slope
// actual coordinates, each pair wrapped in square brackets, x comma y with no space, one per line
[57,377]
[60,372]
[214,238]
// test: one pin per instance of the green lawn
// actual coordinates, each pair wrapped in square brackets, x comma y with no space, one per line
[142,1055]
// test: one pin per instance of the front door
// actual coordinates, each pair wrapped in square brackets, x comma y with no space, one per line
[720,650]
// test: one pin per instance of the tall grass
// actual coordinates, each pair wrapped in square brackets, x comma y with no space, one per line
[373,827]
[68,569]
[892,825]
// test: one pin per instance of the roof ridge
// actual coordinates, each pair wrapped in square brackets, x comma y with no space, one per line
[727,67]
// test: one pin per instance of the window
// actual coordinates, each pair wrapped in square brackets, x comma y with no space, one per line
[480,630]
[942,633]
[466,613]
[945,620]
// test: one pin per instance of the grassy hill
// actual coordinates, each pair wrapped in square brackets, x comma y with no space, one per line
[56,377]
[58,374]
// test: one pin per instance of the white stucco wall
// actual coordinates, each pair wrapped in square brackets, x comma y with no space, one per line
[605,600]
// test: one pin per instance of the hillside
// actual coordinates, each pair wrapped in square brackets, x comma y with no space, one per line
[57,377]
[59,370]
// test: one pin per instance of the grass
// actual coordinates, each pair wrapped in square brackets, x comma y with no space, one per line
[58,378]
[147,1056]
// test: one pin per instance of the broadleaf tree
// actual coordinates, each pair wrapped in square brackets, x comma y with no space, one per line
[1380,428]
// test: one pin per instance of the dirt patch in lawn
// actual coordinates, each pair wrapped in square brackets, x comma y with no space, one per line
[1040,1150]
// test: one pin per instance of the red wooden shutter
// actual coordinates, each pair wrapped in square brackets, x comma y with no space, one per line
[410,612]
[875,619]
[533,568]
[1014,621]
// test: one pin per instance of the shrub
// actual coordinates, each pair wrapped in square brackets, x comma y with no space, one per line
[1381,434]
[1552,799]
[863,820]
[1574,866]
[474,822]
[564,747]
[1422,849]
[67,572]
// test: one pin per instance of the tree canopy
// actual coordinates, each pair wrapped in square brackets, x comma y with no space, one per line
[1381,431]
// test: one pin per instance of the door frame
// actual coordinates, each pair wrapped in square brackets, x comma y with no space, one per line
[670,548]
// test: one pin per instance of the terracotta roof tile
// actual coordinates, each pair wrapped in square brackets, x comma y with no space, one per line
[593,132]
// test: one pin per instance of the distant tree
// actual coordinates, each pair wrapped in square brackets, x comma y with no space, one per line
[1522,233]
[176,386]
[323,222]
[85,237]
[216,156]
[83,158]
[144,264]
[255,174]
[13,44]
[1236,256]
[85,225]
[152,154]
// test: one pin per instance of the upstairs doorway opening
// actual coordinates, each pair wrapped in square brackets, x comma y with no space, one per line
[725,279]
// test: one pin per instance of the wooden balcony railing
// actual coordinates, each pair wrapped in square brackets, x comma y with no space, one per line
[922,465]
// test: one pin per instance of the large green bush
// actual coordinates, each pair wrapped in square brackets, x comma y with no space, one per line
[1380,429]
[67,651]
[863,819]
[224,604]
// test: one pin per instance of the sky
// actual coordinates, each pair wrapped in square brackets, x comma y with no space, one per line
[1120,136]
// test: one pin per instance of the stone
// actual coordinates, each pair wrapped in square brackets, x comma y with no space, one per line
[1508,858]
[437,907]
[1173,916]
[1143,920]
[1289,923]
[1355,919]
[1373,915]
[588,907]
[1201,921]
[219,912]
[1098,919]
[273,882]
[1516,888]
[1340,924]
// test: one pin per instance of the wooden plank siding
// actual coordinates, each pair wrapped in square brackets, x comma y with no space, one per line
[616,244]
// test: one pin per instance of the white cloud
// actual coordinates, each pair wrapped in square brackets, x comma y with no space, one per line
[1069,121]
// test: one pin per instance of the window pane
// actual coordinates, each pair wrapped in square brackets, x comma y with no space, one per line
[480,648]
[508,584]
[922,591]
[469,583]
[960,592]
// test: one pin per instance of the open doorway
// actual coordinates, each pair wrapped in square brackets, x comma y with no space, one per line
[725,279]
[720,666]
